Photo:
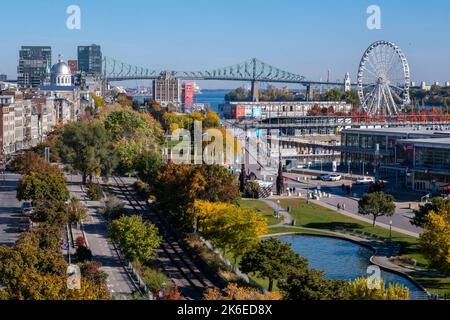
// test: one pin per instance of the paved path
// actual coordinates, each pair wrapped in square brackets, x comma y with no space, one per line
[119,281]
[10,209]
[287,218]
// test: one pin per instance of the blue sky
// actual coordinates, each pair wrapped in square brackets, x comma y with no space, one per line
[302,36]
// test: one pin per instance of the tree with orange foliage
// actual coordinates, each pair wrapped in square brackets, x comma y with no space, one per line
[30,162]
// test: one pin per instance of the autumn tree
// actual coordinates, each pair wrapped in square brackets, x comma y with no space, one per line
[135,238]
[235,292]
[377,204]
[30,162]
[51,211]
[437,204]
[230,228]
[206,182]
[272,259]
[365,289]
[435,240]
[220,185]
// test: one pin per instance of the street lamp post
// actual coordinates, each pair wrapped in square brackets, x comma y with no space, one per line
[348,167]
[307,190]
[363,173]
[278,209]
[390,230]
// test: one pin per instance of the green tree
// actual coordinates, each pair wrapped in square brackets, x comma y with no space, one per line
[272,259]
[135,238]
[436,204]
[43,186]
[85,147]
[309,284]
[252,189]
[334,94]
[377,204]
[147,165]
[352,98]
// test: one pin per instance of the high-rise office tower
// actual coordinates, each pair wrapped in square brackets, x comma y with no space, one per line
[34,66]
[90,59]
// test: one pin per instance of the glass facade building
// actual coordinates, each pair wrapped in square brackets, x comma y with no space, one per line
[90,59]
[34,66]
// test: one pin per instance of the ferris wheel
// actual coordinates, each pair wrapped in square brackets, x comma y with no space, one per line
[383,79]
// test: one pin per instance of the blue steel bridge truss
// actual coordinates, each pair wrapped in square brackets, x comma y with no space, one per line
[252,70]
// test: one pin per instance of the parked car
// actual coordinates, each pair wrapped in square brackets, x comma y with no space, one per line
[27,209]
[324,177]
[335,177]
[365,180]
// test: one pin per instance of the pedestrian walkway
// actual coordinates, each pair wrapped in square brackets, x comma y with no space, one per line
[359,217]
[286,217]
[103,251]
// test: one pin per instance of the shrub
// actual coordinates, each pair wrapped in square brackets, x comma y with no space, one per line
[155,279]
[94,192]
[92,272]
[80,242]
[83,254]
[142,188]
[113,208]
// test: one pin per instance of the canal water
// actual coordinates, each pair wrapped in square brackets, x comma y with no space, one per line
[340,259]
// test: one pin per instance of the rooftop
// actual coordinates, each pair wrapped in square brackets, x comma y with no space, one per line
[400,131]
[435,142]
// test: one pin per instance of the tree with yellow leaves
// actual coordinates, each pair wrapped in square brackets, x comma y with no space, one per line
[435,240]
[234,292]
[360,289]
[230,228]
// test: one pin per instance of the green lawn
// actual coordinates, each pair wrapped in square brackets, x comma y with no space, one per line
[262,208]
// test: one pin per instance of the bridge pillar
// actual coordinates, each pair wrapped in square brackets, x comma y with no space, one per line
[255,91]
[309,92]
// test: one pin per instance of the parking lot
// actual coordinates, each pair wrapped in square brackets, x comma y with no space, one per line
[10,209]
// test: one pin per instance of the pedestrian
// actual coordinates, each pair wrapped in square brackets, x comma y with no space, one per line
[294,189]
[339,206]
[343,206]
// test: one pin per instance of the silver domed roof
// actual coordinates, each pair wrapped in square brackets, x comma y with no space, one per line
[61,68]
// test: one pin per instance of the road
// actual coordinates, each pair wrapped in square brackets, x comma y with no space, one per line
[10,209]
[103,251]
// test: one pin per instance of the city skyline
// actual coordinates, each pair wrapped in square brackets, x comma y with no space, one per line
[203,35]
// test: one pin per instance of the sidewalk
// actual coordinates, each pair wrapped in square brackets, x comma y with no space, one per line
[103,251]
[287,218]
[357,217]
